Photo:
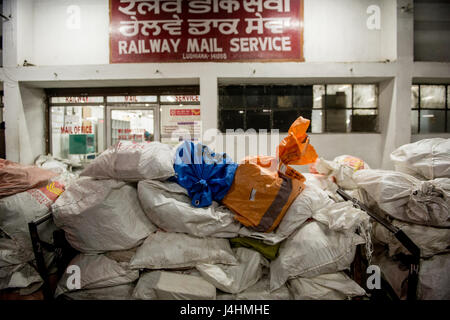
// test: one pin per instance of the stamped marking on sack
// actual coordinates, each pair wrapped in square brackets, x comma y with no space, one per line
[55,188]
[47,195]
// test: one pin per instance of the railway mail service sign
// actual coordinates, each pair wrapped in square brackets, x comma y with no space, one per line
[206,30]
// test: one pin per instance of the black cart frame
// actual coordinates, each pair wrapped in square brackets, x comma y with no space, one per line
[413,259]
[60,247]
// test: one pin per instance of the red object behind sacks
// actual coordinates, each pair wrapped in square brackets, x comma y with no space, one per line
[15,178]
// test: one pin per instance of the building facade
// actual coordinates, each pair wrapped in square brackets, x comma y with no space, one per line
[398,50]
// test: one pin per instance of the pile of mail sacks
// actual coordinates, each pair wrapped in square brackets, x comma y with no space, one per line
[155,222]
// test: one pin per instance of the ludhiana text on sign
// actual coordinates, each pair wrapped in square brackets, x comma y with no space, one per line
[206,30]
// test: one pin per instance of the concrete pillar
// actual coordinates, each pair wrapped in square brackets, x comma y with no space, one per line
[12,101]
[10,86]
[209,102]
[24,112]
[397,129]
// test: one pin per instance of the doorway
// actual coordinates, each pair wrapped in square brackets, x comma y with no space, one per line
[132,123]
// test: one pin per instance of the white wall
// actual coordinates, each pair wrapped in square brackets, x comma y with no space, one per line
[337,31]
[334,31]
[47,40]
[366,146]
[389,23]
[24,31]
[32,127]
[25,122]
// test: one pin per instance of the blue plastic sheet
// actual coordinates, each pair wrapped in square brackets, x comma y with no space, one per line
[206,175]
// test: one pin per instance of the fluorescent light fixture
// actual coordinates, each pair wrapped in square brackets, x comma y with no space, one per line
[428,116]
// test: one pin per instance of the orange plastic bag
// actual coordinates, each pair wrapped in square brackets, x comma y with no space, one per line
[264,188]
[260,195]
[295,148]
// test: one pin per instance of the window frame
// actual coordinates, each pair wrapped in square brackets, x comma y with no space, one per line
[189,90]
[51,105]
[419,108]
[273,109]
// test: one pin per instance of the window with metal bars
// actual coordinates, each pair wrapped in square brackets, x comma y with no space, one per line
[430,108]
[331,108]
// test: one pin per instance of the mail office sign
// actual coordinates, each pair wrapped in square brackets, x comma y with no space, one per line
[206,30]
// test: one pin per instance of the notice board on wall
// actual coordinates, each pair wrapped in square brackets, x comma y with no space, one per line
[206,30]
[180,122]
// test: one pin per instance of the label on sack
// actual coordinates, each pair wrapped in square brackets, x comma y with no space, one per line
[355,163]
[129,147]
[47,195]
[290,172]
